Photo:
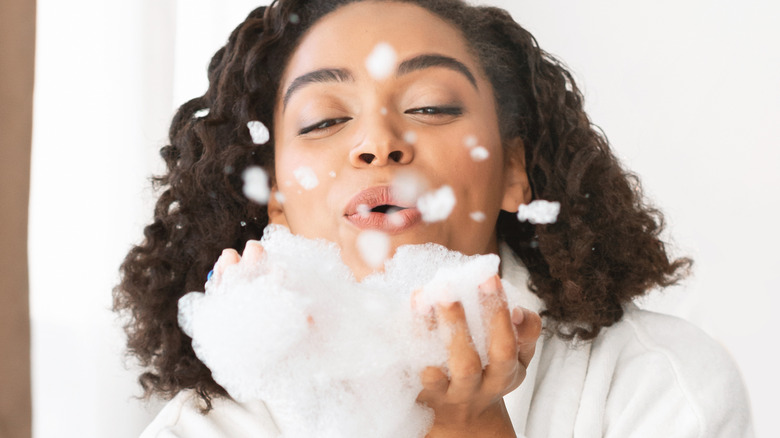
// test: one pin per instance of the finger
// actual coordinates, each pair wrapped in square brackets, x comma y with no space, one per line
[464,363]
[503,369]
[229,257]
[435,384]
[253,252]
[423,309]
[529,326]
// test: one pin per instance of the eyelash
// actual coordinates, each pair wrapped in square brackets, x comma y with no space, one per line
[425,111]
[323,124]
[436,111]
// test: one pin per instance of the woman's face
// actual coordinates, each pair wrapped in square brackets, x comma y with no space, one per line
[357,132]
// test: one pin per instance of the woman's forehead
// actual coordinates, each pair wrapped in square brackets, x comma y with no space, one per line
[346,37]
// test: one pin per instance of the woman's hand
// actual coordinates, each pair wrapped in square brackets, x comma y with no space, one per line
[253,251]
[470,401]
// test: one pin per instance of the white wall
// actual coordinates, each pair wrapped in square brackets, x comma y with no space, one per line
[109,77]
[686,91]
[689,97]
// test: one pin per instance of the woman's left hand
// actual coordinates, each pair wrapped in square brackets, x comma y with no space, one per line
[469,402]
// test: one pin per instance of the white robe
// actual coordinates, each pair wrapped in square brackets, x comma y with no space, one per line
[648,375]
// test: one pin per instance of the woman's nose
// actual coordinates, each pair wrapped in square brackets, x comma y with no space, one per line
[381,144]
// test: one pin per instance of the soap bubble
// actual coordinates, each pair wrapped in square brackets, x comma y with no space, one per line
[437,205]
[256,184]
[479,154]
[363,210]
[470,141]
[407,187]
[306,177]
[410,137]
[381,62]
[332,173]
[477,216]
[259,132]
[201,113]
[374,247]
[539,212]
[280,197]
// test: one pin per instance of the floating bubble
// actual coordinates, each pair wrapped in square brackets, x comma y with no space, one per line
[256,184]
[306,177]
[407,187]
[383,111]
[332,173]
[477,216]
[201,113]
[259,132]
[363,210]
[279,197]
[539,212]
[479,154]
[396,219]
[470,141]
[294,18]
[437,205]
[410,137]
[381,62]
[374,246]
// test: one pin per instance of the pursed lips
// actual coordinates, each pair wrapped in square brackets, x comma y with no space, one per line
[385,212]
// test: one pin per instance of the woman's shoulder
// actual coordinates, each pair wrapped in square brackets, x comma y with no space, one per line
[183,416]
[668,364]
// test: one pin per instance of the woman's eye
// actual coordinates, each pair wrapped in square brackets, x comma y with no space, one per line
[323,124]
[436,110]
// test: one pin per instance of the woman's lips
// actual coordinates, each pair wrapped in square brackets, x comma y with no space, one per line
[392,223]
[399,217]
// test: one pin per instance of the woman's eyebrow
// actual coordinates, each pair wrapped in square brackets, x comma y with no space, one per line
[429,60]
[317,76]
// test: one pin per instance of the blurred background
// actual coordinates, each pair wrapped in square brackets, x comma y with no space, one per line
[686,91]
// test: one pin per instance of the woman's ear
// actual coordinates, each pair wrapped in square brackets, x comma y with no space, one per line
[276,214]
[517,188]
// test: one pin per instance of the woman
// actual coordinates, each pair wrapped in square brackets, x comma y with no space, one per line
[606,368]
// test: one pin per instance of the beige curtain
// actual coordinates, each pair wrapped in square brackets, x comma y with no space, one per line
[17,50]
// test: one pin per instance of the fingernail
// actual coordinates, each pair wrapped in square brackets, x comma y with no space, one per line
[490,286]
[517,316]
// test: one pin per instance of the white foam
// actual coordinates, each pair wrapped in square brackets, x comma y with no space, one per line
[479,153]
[333,357]
[306,177]
[539,212]
[407,186]
[477,216]
[437,205]
[374,246]
[381,62]
[258,132]
[363,210]
[470,141]
[256,184]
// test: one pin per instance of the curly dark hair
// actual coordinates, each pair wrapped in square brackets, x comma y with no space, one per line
[603,251]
